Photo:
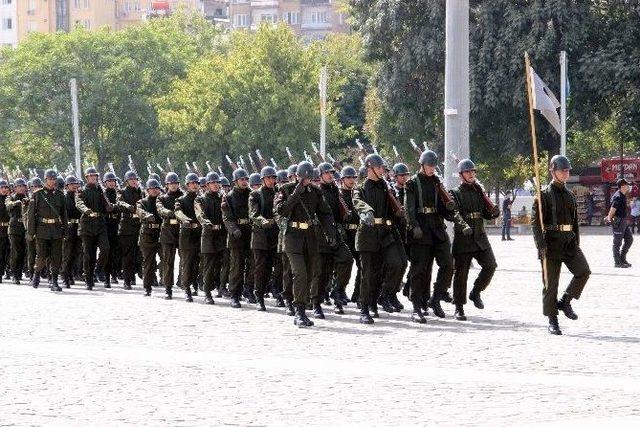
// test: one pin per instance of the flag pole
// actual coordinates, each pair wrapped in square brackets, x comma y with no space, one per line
[563,103]
[536,166]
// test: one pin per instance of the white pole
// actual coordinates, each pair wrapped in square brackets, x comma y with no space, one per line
[563,103]
[456,88]
[323,111]
[76,124]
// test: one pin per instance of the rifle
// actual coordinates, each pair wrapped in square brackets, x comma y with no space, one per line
[414,146]
[261,161]
[149,168]
[186,164]
[132,167]
[317,152]
[243,164]
[220,172]
[209,168]
[169,165]
[291,159]
[424,144]
[273,162]
[334,162]
[252,163]
[196,169]
[160,168]
[233,164]
[307,157]
[397,155]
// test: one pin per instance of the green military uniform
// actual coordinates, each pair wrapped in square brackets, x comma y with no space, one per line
[189,242]
[286,276]
[112,223]
[169,236]
[29,240]
[473,209]
[235,212]
[128,232]
[72,245]
[148,239]
[560,243]
[264,238]
[381,254]
[47,222]
[17,233]
[92,230]
[213,241]
[351,228]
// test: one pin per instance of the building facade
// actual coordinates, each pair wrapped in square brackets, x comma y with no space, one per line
[8,23]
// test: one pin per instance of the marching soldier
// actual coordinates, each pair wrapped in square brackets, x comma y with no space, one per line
[277,275]
[4,226]
[169,231]
[336,258]
[264,232]
[149,238]
[112,221]
[474,207]
[235,212]
[286,274]
[129,229]
[214,235]
[303,206]
[190,234]
[47,222]
[557,238]
[427,205]
[15,205]
[92,202]
[348,179]
[377,240]
[72,245]
[34,185]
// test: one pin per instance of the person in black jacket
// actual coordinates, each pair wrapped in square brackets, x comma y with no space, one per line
[617,217]
[148,239]
[15,205]
[169,230]
[72,245]
[129,228]
[190,234]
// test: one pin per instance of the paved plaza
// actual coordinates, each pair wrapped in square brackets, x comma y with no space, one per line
[112,357]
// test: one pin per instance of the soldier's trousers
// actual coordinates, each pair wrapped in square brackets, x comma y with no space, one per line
[129,252]
[462,262]
[149,265]
[385,266]
[211,268]
[578,266]
[340,261]
[18,254]
[110,265]
[49,252]
[31,256]
[287,278]
[239,259]
[620,234]
[224,269]
[422,257]
[89,245]
[304,267]
[71,249]
[263,261]
[4,251]
[168,264]
[189,267]
[276,275]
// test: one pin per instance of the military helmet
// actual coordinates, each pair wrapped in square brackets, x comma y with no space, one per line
[336,176]
[59,182]
[559,162]
[20,181]
[224,181]
[292,170]
[239,174]
[466,165]
[69,180]
[213,177]
[400,169]
[316,174]
[4,183]
[428,158]
[282,176]
[254,179]
[130,175]
[36,182]
[152,183]
[109,176]
[202,181]
[50,174]
[304,170]
[362,172]
[268,171]
[91,171]
[154,176]
[191,177]
[172,178]
[348,172]
[325,167]
[374,161]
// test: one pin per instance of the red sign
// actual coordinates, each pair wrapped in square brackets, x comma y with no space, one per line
[160,5]
[610,169]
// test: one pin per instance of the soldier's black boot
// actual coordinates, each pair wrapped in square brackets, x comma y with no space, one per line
[299,320]
[395,303]
[54,283]
[434,304]
[337,309]
[247,293]
[373,309]
[475,297]
[279,300]
[195,290]
[16,279]
[147,291]
[35,280]
[219,293]
[88,283]
[168,292]
[383,300]
[554,328]
[260,303]
[417,315]
[564,305]
[365,317]
[307,321]
[317,311]
[459,314]
[446,297]
[187,294]
[290,310]
[235,301]
[126,286]
[208,298]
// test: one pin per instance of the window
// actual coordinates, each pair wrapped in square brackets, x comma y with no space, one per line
[268,18]
[291,18]
[87,4]
[6,1]
[241,20]
[31,7]
[76,4]
[7,24]
[319,17]
[32,26]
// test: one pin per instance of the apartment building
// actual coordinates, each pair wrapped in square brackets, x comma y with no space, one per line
[311,19]
[8,23]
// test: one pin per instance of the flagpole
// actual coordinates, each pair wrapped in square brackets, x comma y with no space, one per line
[536,167]
[563,102]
